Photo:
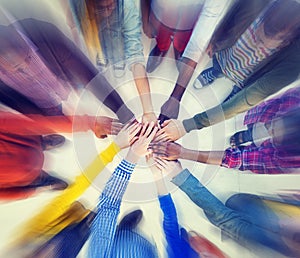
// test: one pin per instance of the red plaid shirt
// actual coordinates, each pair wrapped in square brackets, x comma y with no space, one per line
[267,110]
[260,160]
[264,159]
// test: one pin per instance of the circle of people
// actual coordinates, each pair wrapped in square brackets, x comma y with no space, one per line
[255,44]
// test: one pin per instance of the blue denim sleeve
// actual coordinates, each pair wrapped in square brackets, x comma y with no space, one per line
[176,245]
[234,224]
[132,34]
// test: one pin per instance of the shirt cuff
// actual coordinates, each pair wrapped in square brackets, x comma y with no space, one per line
[189,124]
[126,166]
[164,199]
[181,178]
[135,60]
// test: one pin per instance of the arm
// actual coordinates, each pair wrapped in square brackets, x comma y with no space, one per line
[174,151]
[231,222]
[45,221]
[105,222]
[135,58]
[143,88]
[209,18]
[274,79]
[170,109]
[39,125]
[145,10]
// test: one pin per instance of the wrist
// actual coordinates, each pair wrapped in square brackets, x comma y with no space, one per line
[183,153]
[132,157]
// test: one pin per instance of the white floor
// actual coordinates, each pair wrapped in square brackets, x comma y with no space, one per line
[81,148]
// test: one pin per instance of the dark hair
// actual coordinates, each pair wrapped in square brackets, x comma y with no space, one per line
[283,15]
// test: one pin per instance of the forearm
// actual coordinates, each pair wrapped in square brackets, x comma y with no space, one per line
[39,124]
[143,88]
[45,220]
[170,223]
[105,223]
[145,10]
[160,184]
[187,68]
[207,157]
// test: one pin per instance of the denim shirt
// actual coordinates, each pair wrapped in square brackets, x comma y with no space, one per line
[234,224]
[120,35]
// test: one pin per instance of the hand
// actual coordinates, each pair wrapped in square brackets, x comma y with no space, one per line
[140,147]
[128,135]
[157,173]
[149,29]
[166,150]
[209,50]
[169,110]
[149,117]
[171,167]
[172,130]
[106,125]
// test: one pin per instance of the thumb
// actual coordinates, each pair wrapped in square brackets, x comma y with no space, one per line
[165,123]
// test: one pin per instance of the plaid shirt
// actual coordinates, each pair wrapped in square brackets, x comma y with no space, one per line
[267,110]
[260,160]
[106,241]
[264,159]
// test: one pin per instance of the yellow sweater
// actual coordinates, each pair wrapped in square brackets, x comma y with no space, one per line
[51,219]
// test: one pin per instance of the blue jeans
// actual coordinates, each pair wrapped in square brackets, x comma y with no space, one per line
[236,225]
[282,71]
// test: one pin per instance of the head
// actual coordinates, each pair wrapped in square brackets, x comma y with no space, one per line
[282,20]
[104,8]
[14,52]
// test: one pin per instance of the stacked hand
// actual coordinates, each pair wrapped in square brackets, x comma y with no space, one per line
[167,150]
[106,126]
[171,130]
[169,110]
[140,146]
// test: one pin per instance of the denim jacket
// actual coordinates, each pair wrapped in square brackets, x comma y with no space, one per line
[119,34]
[234,224]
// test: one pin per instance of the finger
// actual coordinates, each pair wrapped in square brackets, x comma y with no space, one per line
[116,126]
[135,130]
[158,149]
[126,126]
[161,118]
[149,157]
[149,130]
[145,125]
[165,123]
[158,166]
[166,157]
[161,131]
[158,124]
[162,162]
[159,154]
[152,134]
[161,138]
[133,140]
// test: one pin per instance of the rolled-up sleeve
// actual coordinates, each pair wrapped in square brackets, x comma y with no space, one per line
[132,34]
[210,16]
[232,158]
